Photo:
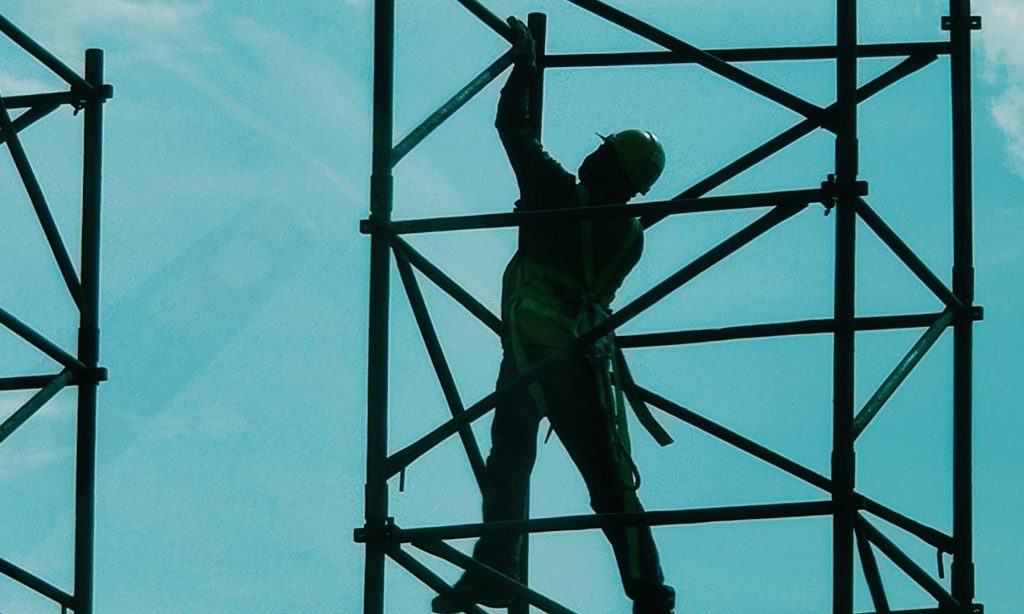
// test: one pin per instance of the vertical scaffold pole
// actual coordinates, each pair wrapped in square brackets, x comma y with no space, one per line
[88,336]
[843,459]
[963,287]
[380,264]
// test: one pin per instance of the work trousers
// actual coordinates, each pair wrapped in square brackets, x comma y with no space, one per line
[571,398]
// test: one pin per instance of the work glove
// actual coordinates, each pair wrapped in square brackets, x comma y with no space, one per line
[523,47]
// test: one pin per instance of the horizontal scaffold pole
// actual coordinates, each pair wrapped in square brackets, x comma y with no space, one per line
[25,382]
[582,522]
[54,99]
[758,54]
[779,329]
[550,216]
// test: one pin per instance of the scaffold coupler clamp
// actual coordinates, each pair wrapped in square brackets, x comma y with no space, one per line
[853,500]
[93,375]
[947,22]
[828,191]
[831,191]
[376,530]
[101,95]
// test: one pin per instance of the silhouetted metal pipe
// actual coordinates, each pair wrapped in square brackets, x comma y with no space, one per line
[448,285]
[760,54]
[35,194]
[39,585]
[440,364]
[846,164]
[25,382]
[909,567]
[449,108]
[581,522]
[381,197]
[707,60]
[756,331]
[932,536]
[40,342]
[909,258]
[54,99]
[491,20]
[963,286]
[529,597]
[424,575]
[791,135]
[871,575]
[30,117]
[34,403]
[736,440]
[48,59]
[900,373]
[549,216]
[89,337]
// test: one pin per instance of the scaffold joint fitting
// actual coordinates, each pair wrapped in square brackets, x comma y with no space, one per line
[91,376]
[833,189]
[974,22]
[367,226]
[377,530]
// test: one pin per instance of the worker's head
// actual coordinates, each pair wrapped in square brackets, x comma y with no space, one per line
[627,163]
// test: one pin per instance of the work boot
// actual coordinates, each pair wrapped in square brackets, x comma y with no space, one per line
[656,600]
[471,590]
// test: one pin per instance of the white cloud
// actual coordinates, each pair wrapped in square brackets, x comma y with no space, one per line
[210,420]
[1003,47]
[11,84]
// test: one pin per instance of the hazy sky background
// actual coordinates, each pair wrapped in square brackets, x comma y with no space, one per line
[231,432]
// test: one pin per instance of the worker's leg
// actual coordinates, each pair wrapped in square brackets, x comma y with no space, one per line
[507,473]
[586,433]
[505,488]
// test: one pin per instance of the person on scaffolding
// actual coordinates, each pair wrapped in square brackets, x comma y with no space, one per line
[558,285]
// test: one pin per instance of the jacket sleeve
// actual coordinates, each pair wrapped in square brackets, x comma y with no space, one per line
[543,183]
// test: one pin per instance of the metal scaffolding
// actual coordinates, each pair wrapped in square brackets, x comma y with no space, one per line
[851,510]
[80,368]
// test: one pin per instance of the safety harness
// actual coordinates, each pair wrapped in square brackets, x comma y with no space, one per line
[542,290]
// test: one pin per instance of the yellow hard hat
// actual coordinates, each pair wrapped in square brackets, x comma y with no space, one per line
[640,155]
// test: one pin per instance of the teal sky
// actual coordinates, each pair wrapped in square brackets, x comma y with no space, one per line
[231,432]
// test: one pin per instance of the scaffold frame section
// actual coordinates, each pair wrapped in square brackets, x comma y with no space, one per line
[842,191]
[80,368]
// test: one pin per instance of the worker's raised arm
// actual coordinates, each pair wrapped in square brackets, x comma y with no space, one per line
[543,183]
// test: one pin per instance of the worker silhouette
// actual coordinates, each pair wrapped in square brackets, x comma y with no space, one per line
[559,284]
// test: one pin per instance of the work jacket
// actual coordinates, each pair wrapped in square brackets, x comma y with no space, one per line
[562,271]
